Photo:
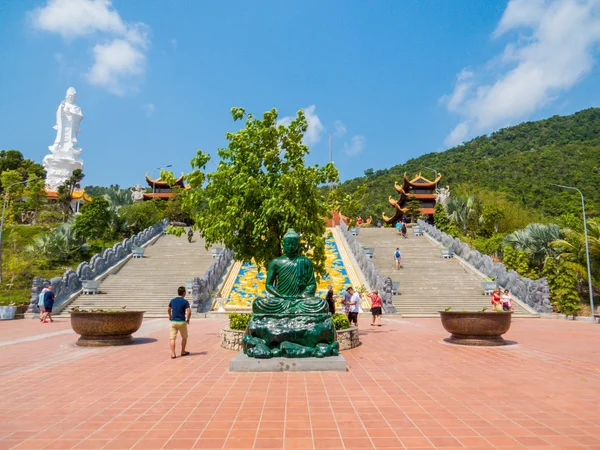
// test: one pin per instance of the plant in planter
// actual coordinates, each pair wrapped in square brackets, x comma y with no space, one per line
[239,321]
[100,328]
[340,321]
[231,338]
[478,328]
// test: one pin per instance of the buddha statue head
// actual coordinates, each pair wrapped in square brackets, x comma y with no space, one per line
[291,243]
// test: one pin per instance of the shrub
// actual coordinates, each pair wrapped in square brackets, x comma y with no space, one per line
[239,321]
[340,321]
[49,217]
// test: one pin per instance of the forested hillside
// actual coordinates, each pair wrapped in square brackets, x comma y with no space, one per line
[520,161]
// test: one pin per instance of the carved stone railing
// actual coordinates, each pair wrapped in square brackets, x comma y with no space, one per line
[70,283]
[370,272]
[204,286]
[534,293]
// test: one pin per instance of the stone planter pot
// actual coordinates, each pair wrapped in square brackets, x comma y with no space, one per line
[101,329]
[7,312]
[446,252]
[476,328]
[232,339]
[488,286]
[348,338]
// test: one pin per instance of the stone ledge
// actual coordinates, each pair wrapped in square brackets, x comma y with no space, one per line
[348,338]
[231,339]
[243,363]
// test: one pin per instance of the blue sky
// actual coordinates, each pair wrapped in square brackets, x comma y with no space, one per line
[391,80]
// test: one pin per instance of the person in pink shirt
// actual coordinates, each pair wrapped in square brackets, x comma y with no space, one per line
[375,307]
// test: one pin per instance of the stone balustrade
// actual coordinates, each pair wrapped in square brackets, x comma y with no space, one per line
[204,286]
[534,293]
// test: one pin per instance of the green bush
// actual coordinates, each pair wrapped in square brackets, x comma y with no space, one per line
[239,321]
[49,217]
[340,321]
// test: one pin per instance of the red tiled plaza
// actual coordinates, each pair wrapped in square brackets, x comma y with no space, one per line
[405,388]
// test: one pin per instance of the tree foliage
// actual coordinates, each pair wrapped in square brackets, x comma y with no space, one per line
[261,188]
[141,215]
[413,210]
[65,191]
[59,246]
[94,220]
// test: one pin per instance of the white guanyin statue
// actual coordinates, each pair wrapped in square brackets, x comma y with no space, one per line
[65,152]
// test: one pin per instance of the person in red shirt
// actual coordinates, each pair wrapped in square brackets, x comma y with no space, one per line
[496,300]
[375,307]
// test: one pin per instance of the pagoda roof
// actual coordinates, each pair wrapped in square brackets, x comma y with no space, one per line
[424,196]
[419,182]
[79,194]
[396,205]
[163,195]
[158,183]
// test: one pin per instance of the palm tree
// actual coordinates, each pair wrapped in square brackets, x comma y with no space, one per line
[572,249]
[535,240]
[60,246]
[118,197]
[464,214]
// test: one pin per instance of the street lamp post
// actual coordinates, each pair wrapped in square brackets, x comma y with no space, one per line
[436,173]
[154,180]
[2,220]
[587,246]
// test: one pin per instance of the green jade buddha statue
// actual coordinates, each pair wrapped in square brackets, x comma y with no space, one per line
[292,322]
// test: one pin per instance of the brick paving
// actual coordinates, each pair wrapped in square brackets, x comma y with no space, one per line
[406,388]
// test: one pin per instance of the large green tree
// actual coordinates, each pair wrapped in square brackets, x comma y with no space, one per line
[262,187]
[94,220]
[141,215]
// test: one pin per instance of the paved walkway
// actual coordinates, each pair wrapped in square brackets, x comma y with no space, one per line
[405,389]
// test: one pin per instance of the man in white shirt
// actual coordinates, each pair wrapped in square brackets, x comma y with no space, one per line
[354,306]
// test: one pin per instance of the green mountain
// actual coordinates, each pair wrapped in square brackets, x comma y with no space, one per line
[520,161]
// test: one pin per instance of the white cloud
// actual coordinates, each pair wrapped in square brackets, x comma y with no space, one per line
[120,55]
[315,127]
[149,109]
[113,63]
[356,145]
[556,52]
[339,129]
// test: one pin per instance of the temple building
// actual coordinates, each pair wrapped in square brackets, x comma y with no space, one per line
[161,189]
[78,198]
[421,188]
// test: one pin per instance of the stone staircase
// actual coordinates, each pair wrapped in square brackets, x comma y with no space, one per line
[147,284]
[428,283]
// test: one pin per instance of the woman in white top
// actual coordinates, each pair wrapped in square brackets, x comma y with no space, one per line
[506,301]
